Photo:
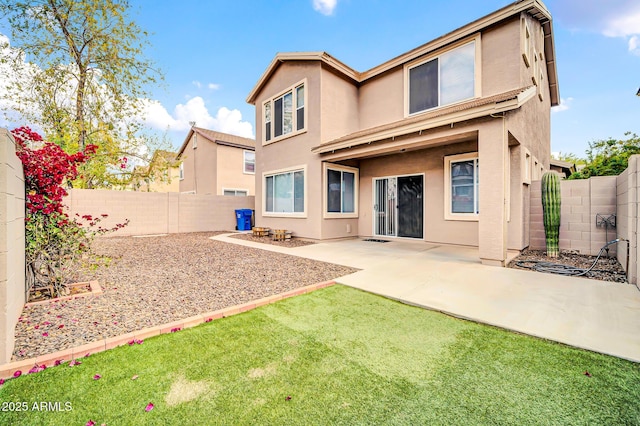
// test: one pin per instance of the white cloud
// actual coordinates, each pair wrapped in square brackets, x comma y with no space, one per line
[565,104]
[196,83]
[326,7]
[225,120]
[634,45]
[213,86]
[623,25]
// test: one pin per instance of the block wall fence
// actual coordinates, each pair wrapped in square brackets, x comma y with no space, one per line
[157,212]
[12,279]
[582,201]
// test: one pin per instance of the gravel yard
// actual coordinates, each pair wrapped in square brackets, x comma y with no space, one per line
[156,280]
[606,269]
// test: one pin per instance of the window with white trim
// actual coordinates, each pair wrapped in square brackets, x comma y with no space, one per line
[462,180]
[235,192]
[341,189]
[526,43]
[284,192]
[442,80]
[249,162]
[285,114]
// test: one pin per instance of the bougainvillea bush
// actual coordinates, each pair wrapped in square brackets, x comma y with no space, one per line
[54,241]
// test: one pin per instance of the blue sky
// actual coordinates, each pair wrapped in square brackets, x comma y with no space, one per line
[213,52]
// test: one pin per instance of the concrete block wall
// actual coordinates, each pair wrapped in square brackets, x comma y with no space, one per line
[12,243]
[581,201]
[158,212]
[627,188]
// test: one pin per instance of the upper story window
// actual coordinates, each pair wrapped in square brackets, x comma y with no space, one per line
[284,114]
[249,166]
[445,79]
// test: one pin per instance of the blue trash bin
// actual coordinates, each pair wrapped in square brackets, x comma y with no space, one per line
[243,219]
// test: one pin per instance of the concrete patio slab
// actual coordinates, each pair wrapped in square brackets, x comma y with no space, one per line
[595,315]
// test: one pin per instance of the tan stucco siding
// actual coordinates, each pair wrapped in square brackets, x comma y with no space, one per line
[230,170]
[294,151]
[339,106]
[382,99]
[500,52]
[199,167]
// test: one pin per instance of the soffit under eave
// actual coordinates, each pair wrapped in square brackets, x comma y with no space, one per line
[184,144]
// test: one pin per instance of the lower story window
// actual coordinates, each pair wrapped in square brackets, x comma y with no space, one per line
[284,192]
[235,192]
[340,191]
[462,178]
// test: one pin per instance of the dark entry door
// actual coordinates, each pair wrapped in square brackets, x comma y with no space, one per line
[410,206]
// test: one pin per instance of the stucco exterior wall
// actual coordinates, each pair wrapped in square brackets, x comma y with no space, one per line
[382,99]
[339,108]
[199,166]
[293,151]
[12,243]
[230,171]
[156,212]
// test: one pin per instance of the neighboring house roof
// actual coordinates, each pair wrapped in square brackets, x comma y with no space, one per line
[218,138]
[475,108]
[564,167]
[535,8]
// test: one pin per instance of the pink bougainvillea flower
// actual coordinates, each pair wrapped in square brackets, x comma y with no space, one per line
[208,320]
[74,362]
[46,323]
[45,334]
[87,355]
[173,330]
[90,423]
[1,382]
[57,363]
[149,407]
[586,373]
[17,373]
[58,316]
[288,398]
[97,377]
[131,342]
[36,326]
[61,326]
[139,342]
[115,323]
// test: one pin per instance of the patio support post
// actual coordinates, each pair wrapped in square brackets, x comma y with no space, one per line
[493,155]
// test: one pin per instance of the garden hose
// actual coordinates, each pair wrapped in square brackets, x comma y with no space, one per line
[560,269]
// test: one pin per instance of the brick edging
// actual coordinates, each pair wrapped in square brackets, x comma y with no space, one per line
[96,290]
[7,370]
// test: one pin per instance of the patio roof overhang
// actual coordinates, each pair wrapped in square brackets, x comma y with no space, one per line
[408,133]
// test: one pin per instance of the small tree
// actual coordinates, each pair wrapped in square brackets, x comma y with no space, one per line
[609,157]
[54,242]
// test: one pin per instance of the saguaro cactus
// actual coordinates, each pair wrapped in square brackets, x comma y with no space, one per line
[551,211]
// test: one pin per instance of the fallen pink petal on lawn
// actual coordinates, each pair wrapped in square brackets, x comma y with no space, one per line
[17,373]
[90,423]
[57,363]
[74,363]
[149,407]
[97,377]
[139,342]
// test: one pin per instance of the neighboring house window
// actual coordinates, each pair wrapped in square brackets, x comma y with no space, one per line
[235,192]
[526,167]
[284,192]
[341,189]
[462,184]
[249,162]
[444,79]
[181,171]
[526,43]
[285,114]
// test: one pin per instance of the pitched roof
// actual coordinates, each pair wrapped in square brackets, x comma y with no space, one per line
[535,8]
[475,108]
[218,138]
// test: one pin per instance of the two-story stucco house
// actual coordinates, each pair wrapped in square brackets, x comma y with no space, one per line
[439,144]
[216,163]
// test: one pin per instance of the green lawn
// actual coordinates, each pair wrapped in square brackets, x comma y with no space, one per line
[335,356]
